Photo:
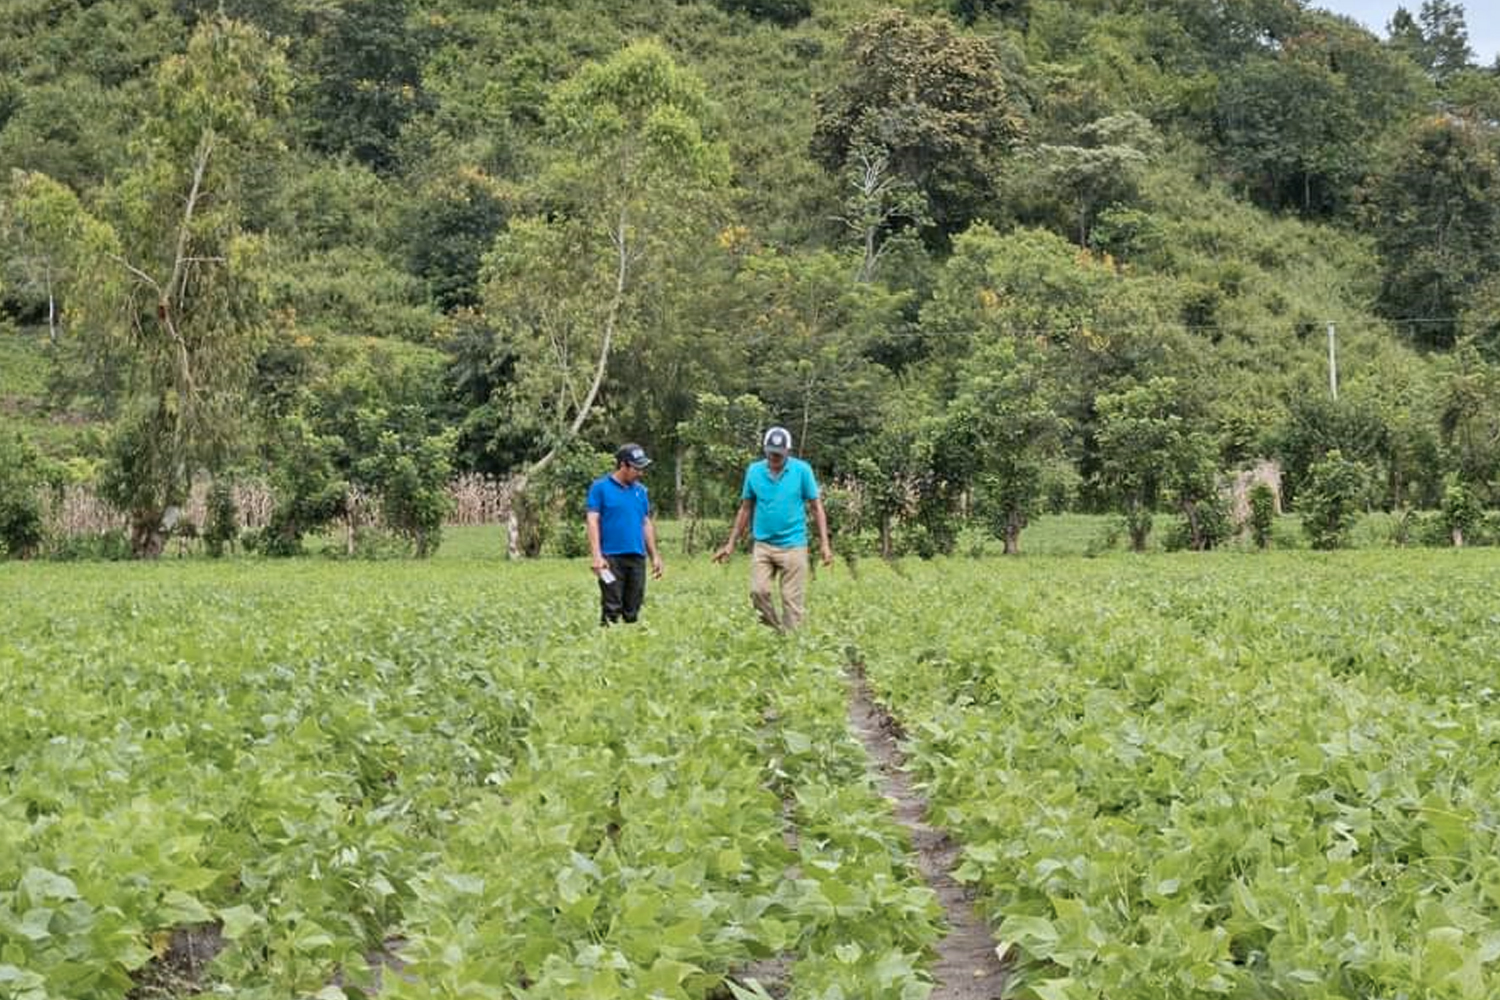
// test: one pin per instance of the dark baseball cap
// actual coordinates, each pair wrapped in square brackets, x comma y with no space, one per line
[778,441]
[632,455]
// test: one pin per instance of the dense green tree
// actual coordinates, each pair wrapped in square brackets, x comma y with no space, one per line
[808,336]
[363,77]
[935,102]
[1479,324]
[1435,214]
[363,417]
[1437,39]
[1315,424]
[310,491]
[1333,500]
[1229,30]
[1005,421]
[1262,514]
[1150,447]
[1101,328]
[880,209]
[68,130]
[1385,87]
[489,441]
[1469,418]
[221,529]
[447,230]
[1474,94]
[1104,169]
[51,244]
[351,289]
[783,12]
[1462,512]
[689,320]
[895,478]
[1015,12]
[1291,130]
[410,473]
[22,478]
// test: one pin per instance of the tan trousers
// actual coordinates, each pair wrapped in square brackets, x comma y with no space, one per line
[769,563]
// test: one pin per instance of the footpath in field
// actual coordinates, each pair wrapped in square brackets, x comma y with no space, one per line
[968,965]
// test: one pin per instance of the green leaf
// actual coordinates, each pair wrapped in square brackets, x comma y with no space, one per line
[239,921]
[179,908]
[39,885]
[36,924]
[1036,935]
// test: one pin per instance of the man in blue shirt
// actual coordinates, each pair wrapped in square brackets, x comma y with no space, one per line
[777,491]
[621,536]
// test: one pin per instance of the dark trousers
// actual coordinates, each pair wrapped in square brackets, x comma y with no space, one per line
[621,600]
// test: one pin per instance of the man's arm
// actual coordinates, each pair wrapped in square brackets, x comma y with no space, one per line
[741,519]
[656,563]
[591,521]
[820,518]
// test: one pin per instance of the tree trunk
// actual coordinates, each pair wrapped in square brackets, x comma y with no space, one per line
[1458,538]
[679,459]
[512,532]
[1014,522]
[1139,525]
[872,255]
[885,536]
[148,539]
[1195,527]
[51,311]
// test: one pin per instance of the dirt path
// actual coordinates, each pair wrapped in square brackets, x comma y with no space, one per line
[967,967]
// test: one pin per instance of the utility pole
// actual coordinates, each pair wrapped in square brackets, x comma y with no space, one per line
[1333,360]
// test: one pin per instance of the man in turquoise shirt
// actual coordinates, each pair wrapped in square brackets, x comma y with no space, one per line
[777,491]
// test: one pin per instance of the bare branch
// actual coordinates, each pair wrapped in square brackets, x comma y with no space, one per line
[184,231]
[142,275]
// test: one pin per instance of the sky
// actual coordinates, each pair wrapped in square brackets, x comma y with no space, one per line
[1482,17]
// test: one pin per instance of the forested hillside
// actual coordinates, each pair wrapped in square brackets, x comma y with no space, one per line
[984,257]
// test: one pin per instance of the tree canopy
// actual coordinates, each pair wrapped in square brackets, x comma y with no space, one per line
[980,248]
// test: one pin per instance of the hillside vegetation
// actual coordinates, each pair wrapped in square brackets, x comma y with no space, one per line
[983,257]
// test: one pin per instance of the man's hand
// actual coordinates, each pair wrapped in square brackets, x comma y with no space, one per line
[723,554]
[827,554]
[657,568]
[600,564]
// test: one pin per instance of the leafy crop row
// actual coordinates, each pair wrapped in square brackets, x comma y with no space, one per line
[1243,778]
[447,771]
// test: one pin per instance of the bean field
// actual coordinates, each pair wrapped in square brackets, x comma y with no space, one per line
[1216,776]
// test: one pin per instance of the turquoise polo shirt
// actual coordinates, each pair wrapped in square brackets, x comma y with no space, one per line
[780,502]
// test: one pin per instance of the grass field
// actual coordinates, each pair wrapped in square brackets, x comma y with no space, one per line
[1049,535]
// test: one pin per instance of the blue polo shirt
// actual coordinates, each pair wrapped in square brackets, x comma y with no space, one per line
[622,514]
[780,502]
